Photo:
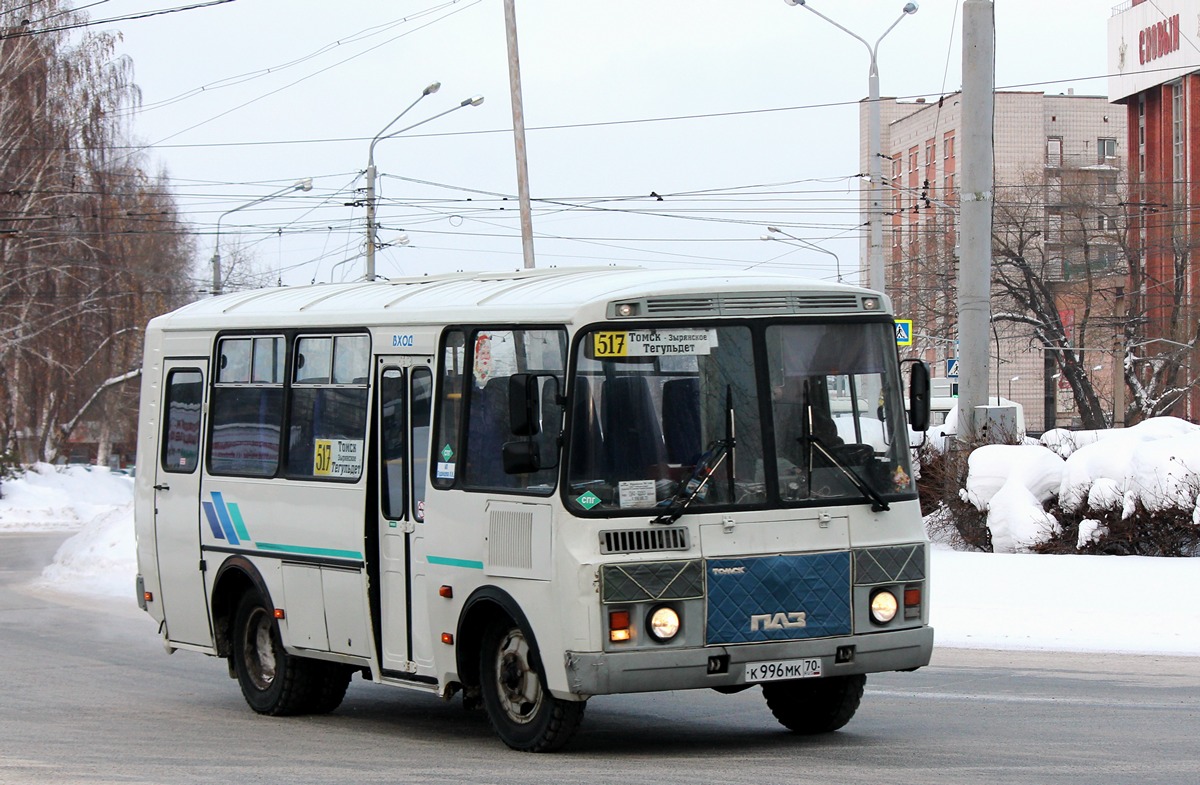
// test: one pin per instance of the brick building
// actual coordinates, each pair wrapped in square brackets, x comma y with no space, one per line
[1154,63]
[1058,172]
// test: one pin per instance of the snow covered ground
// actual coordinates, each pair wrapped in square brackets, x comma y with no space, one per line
[978,600]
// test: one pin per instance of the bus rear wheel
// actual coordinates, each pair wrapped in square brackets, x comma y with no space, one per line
[272,681]
[811,706]
[521,710]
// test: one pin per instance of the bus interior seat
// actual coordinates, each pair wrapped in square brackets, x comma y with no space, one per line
[681,420]
[587,437]
[632,434]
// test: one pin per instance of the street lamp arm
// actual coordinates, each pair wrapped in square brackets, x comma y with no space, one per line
[304,184]
[850,33]
[372,173]
[430,90]
[808,244]
[473,101]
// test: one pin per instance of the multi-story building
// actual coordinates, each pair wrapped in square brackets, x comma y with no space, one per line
[1154,67]
[1057,194]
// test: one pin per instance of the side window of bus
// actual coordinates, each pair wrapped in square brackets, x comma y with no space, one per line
[181,421]
[247,406]
[449,413]
[392,442]
[421,396]
[496,355]
[328,414]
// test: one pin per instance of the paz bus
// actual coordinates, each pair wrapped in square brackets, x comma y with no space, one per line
[528,488]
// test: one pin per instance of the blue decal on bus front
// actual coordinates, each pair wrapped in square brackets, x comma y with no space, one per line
[778,598]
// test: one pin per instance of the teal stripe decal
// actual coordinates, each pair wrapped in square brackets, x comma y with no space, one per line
[470,565]
[239,525]
[307,551]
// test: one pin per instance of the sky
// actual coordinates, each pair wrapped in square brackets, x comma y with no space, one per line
[739,113]
[1013,600]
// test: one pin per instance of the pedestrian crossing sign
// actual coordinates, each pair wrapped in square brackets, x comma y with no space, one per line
[904,333]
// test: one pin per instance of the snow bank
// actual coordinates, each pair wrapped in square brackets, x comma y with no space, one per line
[1011,483]
[46,498]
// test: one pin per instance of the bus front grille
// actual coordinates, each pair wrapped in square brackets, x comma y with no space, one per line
[674,538]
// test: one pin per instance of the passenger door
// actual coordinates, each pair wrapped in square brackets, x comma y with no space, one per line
[404,400]
[177,518]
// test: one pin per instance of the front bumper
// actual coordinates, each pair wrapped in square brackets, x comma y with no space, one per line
[609,673]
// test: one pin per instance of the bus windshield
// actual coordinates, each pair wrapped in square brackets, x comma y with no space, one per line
[729,415]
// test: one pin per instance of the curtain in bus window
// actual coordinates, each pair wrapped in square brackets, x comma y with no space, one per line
[328,415]
[247,406]
[246,423]
[181,438]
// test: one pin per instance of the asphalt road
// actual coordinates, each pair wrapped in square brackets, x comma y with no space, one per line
[88,695]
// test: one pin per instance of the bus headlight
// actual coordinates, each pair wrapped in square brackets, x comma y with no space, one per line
[663,623]
[883,606]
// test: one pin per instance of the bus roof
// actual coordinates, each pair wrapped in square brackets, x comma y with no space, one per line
[538,295]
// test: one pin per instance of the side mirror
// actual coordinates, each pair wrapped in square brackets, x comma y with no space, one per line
[535,413]
[918,395]
[521,457]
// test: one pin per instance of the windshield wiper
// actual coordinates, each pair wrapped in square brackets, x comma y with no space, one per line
[706,467]
[808,434]
[878,503]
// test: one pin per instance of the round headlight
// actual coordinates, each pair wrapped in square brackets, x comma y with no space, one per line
[664,623]
[883,607]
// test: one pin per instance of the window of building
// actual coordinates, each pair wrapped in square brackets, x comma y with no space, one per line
[948,146]
[1054,227]
[1106,151]
[1106,187]
[1053,190]
[1178,139]
[1054,151]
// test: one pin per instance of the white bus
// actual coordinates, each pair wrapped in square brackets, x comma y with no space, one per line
[535,487]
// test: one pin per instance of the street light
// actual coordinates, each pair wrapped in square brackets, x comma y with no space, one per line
[1010,381]
[773,230]
[300,185]
[874,165]
[371,171]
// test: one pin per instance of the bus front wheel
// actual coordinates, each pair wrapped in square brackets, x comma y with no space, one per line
[272,681]
[812,706]
[522,711]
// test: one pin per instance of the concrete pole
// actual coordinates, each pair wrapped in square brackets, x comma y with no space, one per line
[975,215]
[875,278]
[518,113]
[371,175]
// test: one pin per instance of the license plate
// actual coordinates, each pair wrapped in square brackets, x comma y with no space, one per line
[777,670]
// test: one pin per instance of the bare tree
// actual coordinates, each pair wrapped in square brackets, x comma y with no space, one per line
[90,245]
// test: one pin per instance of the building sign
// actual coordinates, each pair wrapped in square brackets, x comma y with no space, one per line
[1158,40]
[1146,46]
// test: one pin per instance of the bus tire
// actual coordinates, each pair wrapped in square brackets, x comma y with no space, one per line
[521,710]
[272,681]
[811,706]
[328,682]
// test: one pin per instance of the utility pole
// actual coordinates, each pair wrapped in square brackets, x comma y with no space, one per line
[975,214]
[518,113]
